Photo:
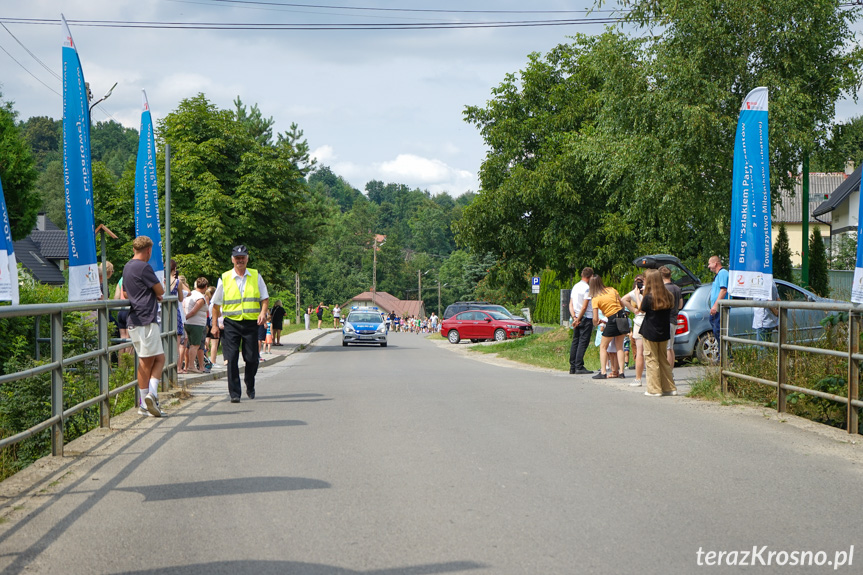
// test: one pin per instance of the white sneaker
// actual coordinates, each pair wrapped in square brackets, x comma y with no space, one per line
[143,411]
[153,405]
[669,392]
[648,394]
[636,383]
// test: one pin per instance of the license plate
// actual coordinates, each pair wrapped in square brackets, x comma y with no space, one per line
[528,332]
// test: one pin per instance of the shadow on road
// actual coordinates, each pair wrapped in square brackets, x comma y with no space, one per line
[244,425]
[220,487]
[288,567]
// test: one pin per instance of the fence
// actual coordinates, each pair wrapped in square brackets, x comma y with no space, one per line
[102,353]
[784,346]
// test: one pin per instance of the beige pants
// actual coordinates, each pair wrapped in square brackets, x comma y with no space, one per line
[659,379]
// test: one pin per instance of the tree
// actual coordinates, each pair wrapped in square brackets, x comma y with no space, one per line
[819,279]
[782,255]
[611,146]
[17,174]
[228,188]
[114,145]
[844,142]
[843,251]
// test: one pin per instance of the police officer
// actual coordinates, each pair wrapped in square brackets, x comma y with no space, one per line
[241,298]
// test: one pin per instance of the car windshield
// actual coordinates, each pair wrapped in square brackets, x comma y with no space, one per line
[498,315]
[365,318]
[499,309]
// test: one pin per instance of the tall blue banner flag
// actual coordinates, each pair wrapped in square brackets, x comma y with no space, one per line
[751,262]
[146,193]
[8,265]
[78,178]
[857,286]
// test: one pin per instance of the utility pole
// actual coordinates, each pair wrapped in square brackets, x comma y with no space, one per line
[419,285]
[375,271]
[804,265]
[297,295]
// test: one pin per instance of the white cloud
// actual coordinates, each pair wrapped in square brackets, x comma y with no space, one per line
[324,154]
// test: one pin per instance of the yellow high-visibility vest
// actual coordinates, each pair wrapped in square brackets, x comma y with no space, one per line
[236,305]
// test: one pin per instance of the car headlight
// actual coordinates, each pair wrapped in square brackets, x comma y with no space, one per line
[382,328]
[349,328]
[513,327]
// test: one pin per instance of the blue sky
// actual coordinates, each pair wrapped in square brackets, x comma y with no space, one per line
[382,104]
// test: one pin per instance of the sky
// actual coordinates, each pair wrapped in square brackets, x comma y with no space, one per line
[373,104]
[384,104]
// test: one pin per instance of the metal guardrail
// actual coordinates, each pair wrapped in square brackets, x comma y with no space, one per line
[103,352]
[851,354]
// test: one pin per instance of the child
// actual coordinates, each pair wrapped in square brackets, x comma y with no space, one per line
[268,342]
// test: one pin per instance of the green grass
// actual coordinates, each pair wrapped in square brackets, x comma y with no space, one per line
[549,350]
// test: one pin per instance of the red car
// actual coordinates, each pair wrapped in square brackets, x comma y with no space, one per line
[478,325]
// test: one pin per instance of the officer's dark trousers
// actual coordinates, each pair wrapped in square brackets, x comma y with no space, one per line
[237,332]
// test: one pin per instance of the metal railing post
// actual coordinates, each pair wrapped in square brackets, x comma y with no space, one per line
[853,371]
[782,362]
[57,383]
[104,367]
[722,344]
[38,350]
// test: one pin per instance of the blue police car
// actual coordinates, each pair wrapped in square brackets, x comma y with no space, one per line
[365,325]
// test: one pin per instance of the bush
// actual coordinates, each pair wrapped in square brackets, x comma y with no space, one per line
[27,402]
[782,269]
[819,279]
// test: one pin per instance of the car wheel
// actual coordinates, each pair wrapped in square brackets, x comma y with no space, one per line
[344,344]
[453,336]
[384,344]
[499,335]
[707,348]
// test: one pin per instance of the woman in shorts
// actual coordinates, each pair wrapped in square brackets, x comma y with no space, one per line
[607,300]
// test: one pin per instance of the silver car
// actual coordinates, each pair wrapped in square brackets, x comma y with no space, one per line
[694,335]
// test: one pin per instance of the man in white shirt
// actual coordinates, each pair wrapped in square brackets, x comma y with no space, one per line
[582,322]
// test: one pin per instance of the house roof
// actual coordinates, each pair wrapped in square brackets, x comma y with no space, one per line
[42,269]
[53,244]
[840,193]
[790,208]
[388,303]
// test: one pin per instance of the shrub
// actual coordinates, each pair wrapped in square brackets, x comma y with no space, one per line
[782,268]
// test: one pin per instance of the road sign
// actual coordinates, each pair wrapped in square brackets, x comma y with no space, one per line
[534,284]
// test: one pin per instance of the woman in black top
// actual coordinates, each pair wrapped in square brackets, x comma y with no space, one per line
[656,331]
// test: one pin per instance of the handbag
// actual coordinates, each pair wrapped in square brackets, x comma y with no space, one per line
[622,322]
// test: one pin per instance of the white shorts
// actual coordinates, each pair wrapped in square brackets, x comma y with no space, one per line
[146,339]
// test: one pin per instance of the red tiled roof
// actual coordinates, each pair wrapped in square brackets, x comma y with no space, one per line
[389,303]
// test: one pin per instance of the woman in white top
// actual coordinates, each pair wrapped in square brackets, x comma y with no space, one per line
[632,301]
[337,314]
[195,306]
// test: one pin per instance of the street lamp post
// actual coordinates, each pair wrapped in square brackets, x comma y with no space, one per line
[102,99]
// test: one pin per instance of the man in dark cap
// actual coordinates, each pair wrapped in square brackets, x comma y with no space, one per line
[241,298]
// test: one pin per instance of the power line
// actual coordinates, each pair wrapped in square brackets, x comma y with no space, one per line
[52,72]
[314,27]
[413,10]
[29,72]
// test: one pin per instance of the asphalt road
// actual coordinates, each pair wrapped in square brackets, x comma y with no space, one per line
[417,460]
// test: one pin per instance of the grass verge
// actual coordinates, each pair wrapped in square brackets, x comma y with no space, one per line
[549,350]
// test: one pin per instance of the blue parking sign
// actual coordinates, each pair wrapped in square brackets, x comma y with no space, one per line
[534,284]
